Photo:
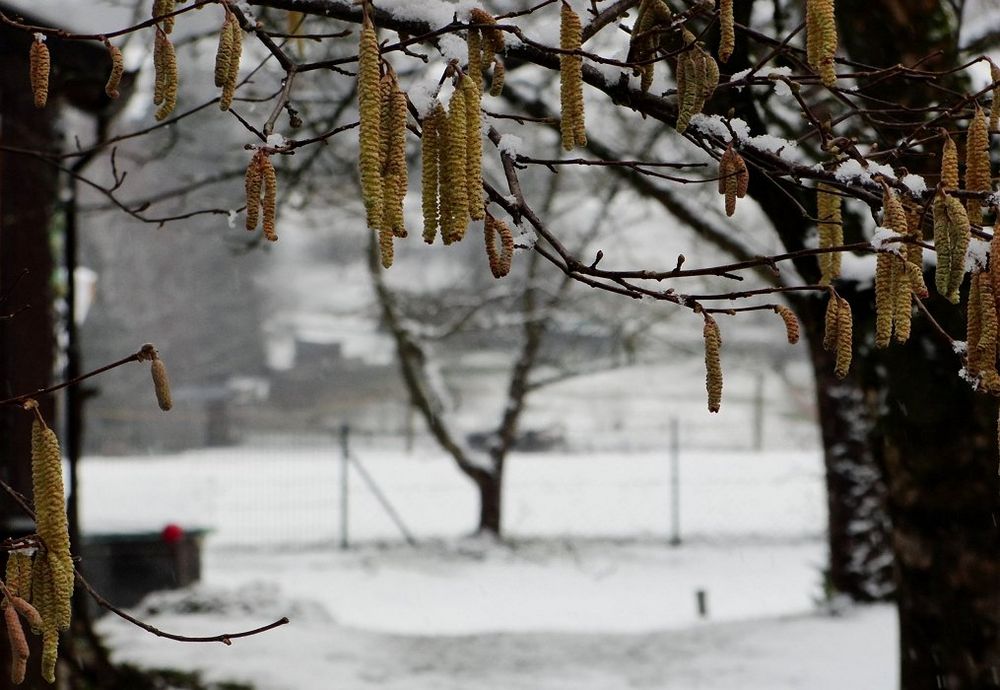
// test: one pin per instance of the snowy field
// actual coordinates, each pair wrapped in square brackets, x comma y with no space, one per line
[587,595]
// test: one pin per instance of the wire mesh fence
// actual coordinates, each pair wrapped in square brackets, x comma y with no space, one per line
[331,490]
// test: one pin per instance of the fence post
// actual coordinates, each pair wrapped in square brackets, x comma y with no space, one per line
[345,456]
[758,413]
[675,483]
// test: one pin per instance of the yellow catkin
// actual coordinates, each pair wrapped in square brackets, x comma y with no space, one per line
[161,8]
[571,80]
[454,187]
[977,164]
[161,384]
[474,44]
[39,65]
[52,525]
[253,183]
[831,231]
[27,611]
[269,201]
[713,363]
[117,70]
[430,169]
[18,574]
[902,307]
[728,182]
[995,103]
[949,162]
[499,74]
[973,326]
[830,323]
[845,338]
[813,39]
[385,248]
[18,645]
[159,72]
[394,172]
[727,33]
[893,216]
[232,74]
[960,234]
[987,345]
[711,77]
[50,655]
[168,65]
[885,295]
[370,130]
[942,245]
[821,39]
[224,51]
[494,37]
[791,323]
[994,267]
[500,259]
[491,43]
[473,149]
[688,88]
[42,591]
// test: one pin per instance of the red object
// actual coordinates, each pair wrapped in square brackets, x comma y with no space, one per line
[172,534]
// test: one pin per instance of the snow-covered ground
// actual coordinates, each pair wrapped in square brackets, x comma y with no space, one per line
[587,595]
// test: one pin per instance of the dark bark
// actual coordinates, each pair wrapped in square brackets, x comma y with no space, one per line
[939,446]
[490,488]
[860,558]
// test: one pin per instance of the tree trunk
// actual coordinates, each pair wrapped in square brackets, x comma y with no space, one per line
[490,487]
[939,441]
[860,560]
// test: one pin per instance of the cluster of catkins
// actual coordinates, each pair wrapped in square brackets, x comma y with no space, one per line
[164,60]
[261,184]
[38,582]
[451,148]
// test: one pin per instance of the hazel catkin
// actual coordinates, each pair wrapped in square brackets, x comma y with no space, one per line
[165,64]
[269,203]
[949,161]
[117,70]
[791,323]
[572,124]
[831,232]
[18,645]
[231,75]
[821,39]
[500,260]
[253,183]
[977,164]
[727,34]
[713,363]
[394,171]
[844,338]
[454,185]
[39,66]
[370,130]
[433,124]
[473,149]
[161,384]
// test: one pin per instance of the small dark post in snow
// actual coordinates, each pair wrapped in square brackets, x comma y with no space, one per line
[675,483]
[758,413]
[345,457]
[702,596]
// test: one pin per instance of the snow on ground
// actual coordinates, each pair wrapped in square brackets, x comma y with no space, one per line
[854,650]
[587,595]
